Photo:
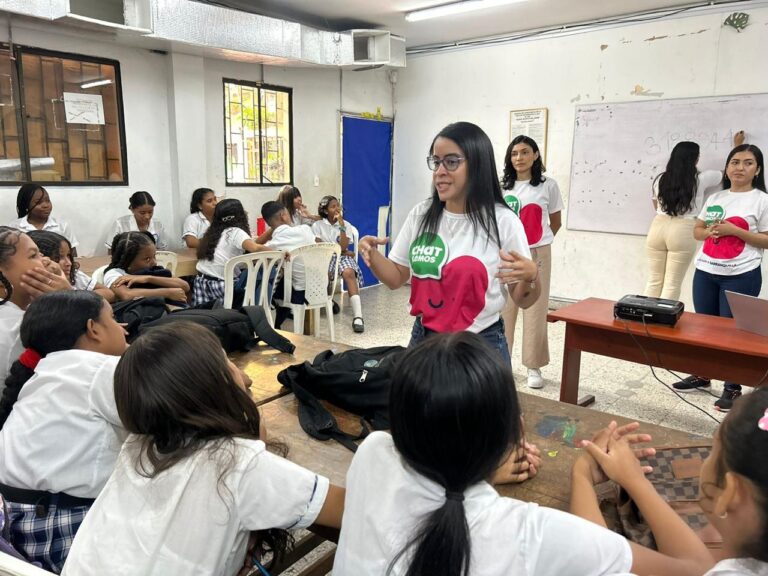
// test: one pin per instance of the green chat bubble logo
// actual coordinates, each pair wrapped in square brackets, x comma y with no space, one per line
[714,215]
[428,255]
[513,202]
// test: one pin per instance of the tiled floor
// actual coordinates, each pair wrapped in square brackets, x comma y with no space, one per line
[620,387]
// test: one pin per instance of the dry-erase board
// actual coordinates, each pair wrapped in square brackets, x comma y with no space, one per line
[618,150]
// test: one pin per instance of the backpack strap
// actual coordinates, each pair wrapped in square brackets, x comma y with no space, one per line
[264,331]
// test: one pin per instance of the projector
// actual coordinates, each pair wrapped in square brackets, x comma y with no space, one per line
[648,310]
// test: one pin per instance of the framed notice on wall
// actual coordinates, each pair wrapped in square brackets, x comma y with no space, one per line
[531,123]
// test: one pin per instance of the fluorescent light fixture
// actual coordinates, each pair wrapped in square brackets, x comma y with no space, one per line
[95,83]
[455,8]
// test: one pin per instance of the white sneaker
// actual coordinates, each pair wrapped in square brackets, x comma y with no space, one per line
[534,378]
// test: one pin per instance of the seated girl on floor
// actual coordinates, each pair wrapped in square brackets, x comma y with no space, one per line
[34,207]
[61,433]
[57,248]
[196,477]
[733,488]
[333,228]
[421,501]
[133,271]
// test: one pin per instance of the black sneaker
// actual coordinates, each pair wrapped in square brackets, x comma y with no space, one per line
[726,400]
[691,383]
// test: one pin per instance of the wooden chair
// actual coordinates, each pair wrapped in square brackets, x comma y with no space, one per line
[317,260]
[268,264]
[167,259]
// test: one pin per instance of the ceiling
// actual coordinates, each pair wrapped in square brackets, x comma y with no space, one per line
[338,15]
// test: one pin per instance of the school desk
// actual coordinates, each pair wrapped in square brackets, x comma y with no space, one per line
[698,344]
[187,262]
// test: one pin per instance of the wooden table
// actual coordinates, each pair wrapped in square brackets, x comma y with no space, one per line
[699,344]
[555,427]
[187,262]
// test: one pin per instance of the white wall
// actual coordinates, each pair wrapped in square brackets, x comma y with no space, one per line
[692,56]
[173,107]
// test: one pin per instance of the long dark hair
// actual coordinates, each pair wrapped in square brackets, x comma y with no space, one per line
[52,323]
[759,180]
[678,183]
[9,240]
[173,387]
[49,244]
[125,247]
[286,197]
[140,198]
[24,197]
[455,416]
[483,192]
[228,214]
[510,174]
[197,199]
[744,450]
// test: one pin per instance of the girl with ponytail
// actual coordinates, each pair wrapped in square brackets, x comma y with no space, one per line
[60,432]
[420,501]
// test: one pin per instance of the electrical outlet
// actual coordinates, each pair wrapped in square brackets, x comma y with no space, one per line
[317,180]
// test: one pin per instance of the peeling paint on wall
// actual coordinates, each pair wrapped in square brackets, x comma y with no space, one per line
[603,46]
[576,98]
[640,91]
[654,38]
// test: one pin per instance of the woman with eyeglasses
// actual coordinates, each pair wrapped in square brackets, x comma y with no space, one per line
[463,249]
[536,200]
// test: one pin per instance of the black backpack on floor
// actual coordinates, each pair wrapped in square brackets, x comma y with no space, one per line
[357,381]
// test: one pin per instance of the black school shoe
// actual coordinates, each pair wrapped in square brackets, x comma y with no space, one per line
[691,383]
[336,308]
[358,325]
[725,403]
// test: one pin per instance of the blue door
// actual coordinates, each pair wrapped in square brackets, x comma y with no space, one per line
[365,181]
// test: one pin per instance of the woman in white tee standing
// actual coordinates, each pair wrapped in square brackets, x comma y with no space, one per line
[678,195]
[537,201]
[734,227]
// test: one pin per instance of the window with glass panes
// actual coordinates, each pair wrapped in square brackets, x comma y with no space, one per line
[257,134]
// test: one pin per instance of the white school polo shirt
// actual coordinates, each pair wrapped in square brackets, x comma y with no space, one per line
[386,500]
[187,521]
[10,341]
[328,232]
[64,434]
[127,223]
[287,238]
[704,180]
[196,224]
[230,245]
[534,204]
[83,281]
[52,225]
[734,567]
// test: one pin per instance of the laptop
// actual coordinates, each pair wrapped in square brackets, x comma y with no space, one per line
[750,313]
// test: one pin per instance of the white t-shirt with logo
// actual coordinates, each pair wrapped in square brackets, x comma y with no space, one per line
[453,284]
[386,500]
[230,245]
[704,180]
[196,224]
[286,237]
[534,204]
[729,255]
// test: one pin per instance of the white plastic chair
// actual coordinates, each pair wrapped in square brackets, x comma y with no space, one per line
[317,260]
[167,259]
[265,262]
[343,289]
[10,566]
[98,274]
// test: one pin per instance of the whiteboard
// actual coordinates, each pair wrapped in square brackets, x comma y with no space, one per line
[618,150]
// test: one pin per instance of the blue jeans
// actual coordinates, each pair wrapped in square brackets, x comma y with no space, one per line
[709,294]
[493,335]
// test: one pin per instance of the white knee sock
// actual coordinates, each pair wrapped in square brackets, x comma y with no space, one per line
[357,307]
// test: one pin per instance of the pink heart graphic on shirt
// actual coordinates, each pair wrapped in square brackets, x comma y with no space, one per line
[530,216]
[727,247]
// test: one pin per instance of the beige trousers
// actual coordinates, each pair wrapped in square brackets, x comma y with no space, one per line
[535,344]
[669,249]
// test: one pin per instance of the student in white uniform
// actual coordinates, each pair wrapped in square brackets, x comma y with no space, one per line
[201,209]
[464,250]
[421,500]
[228,236]
[141,219]
[194,478]
[678,195]
[57,248]
[60,431]
[536,200]
[333,228]
[290,198]
[34,207]
[24,275]
[733,487]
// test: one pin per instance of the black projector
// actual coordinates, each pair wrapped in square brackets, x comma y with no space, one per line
[648,310]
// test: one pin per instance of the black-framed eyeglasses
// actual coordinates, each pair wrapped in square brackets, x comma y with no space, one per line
[450,162]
